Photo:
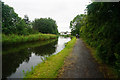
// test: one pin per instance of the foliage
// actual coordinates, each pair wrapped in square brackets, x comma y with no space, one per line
[26,19]
[108,71]
[13,39]
[67,36]
[9,19]
[50,68]
[12,23]
[101,30]
[76,23]
[45,25]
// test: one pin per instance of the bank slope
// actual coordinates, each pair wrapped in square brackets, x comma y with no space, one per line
[50,67]
[13,39]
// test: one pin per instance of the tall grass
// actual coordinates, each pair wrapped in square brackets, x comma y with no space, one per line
[11,39]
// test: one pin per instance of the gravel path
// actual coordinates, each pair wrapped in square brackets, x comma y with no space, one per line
[80,64]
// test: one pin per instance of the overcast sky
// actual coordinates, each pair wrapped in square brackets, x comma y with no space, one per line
[63,11]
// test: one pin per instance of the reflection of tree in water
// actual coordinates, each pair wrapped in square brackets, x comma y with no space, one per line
[45,50]
[11,61]
[17,47]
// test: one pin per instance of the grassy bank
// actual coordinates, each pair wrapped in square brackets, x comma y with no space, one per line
[50,67]
[107,70]
[11,39]
[66,35]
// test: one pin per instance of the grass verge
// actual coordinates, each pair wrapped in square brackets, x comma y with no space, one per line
[107,70]
[11,39]
[50,67]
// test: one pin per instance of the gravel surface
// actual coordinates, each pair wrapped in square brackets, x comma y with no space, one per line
[80,64]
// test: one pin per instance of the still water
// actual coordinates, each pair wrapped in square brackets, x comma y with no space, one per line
[17,59]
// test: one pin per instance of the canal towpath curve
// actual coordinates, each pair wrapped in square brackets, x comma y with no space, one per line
[80,64]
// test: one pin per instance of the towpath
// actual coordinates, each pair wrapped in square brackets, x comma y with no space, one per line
[80,64]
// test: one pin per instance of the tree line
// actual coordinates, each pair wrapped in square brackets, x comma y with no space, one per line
[100,28]
[13,24]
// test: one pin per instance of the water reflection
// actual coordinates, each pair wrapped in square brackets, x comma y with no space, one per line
[24,56]
[61,44]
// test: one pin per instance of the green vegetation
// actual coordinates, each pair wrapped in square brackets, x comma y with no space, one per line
[67,36]
[15,29]
[50,67]
[12,39]
[11,48]
[75,24]
[108,71]
[100,29]
[13,24]
[45,25]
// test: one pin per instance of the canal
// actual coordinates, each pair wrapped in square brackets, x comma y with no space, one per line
[17,59]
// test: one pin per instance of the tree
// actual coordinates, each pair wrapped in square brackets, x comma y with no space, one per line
[45,25]
[26,19]
[76,23]
[101,30]
[13,24]
[9,19]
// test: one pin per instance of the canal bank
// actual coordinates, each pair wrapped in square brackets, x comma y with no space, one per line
[23,57]
[50,67]
[16,39]
[17,47]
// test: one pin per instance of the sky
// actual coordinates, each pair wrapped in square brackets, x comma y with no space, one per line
[62,11]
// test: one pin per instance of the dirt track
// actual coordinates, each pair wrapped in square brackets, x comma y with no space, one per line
[80,64]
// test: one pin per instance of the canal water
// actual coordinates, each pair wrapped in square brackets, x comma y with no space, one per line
[17,59]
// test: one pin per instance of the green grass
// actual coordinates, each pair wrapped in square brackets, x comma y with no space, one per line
[11,39]
[107,70]
[66,35]
[50,67]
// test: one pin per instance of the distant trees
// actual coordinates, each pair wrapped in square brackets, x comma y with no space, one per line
[45,25]
[26,19]
[76,23]
[13,24]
